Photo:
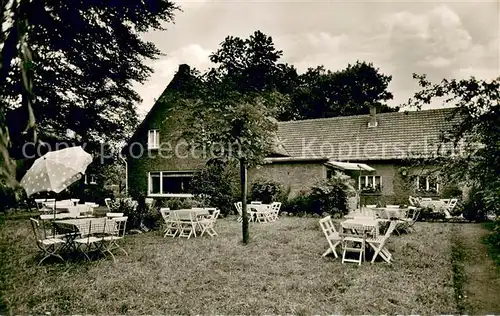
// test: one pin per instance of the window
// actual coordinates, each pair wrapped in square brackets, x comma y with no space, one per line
[370,184]
[153,139]
[168,183]
[427,184]
[329,174]
[91,178]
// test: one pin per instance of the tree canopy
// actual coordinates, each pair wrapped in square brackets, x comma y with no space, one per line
[253,65]
[476,135]
[76,66]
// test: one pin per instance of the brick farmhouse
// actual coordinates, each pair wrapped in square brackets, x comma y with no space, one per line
[377,150]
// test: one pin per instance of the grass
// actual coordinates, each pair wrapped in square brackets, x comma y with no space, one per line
[280,271]
[492,241]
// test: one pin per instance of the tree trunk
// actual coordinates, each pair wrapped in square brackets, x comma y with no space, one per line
[243,180]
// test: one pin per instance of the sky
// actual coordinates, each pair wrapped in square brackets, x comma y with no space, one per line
[449,39]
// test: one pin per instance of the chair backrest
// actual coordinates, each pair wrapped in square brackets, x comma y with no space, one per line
[390,229]
[107,201]
[276,206]
[117,226]
[413,213]
[451,204]
[215,215]
[327,226]
[239,207]
[35,224]
[113,215]
[165,213]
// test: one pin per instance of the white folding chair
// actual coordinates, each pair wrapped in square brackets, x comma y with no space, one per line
[331,234]
[410,218]
[353,240]
[171,228]
[378,244]
[451,205]
[239,209]
[276,206]
[49,245]
[107,201]
[207,224]
[91,236]
[115,231]
[112,215]
[186,223]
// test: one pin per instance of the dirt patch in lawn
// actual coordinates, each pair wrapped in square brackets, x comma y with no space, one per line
[481,286]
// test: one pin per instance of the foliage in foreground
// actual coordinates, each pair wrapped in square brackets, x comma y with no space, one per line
[326,196]
[71,65]
[216,185]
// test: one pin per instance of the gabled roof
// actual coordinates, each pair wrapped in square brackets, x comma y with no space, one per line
[398,135]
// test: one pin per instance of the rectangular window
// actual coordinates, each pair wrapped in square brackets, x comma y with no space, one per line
[170,183]
[153,139]
[370,184]
[91,178]
[427,184]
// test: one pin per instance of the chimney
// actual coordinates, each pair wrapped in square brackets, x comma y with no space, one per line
[373,116]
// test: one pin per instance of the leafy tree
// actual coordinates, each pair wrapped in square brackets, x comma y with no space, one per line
[476,135]
[251,65]
[215,185]
[71,65]
[323,93]
[233,126]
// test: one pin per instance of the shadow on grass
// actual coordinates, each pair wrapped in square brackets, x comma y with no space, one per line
[492,241]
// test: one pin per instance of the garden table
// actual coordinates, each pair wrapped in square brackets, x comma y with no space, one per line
[77,227]
[367,223]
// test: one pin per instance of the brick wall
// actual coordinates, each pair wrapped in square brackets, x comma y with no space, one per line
[164,159]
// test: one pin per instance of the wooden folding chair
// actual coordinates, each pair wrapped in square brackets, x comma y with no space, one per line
[92,237]
[48,245]
[331,235]
[171,228]
[276,206]
[411,217]
[186,223]
[207,224]
[353,240]
[378,244]
[115,231]
[239,209]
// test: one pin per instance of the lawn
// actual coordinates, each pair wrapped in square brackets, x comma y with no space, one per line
[280,271]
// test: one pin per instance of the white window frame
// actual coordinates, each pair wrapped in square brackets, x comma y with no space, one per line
[178,195]
[427,185]
[92,180]
[156,139]
[372,181]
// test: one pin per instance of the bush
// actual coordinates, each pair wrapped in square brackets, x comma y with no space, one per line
[331,195]
[451,191]
[129,208]
[93,193]
[266,191]
[474,207]
[215,186]
[302,203]
[177,203]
